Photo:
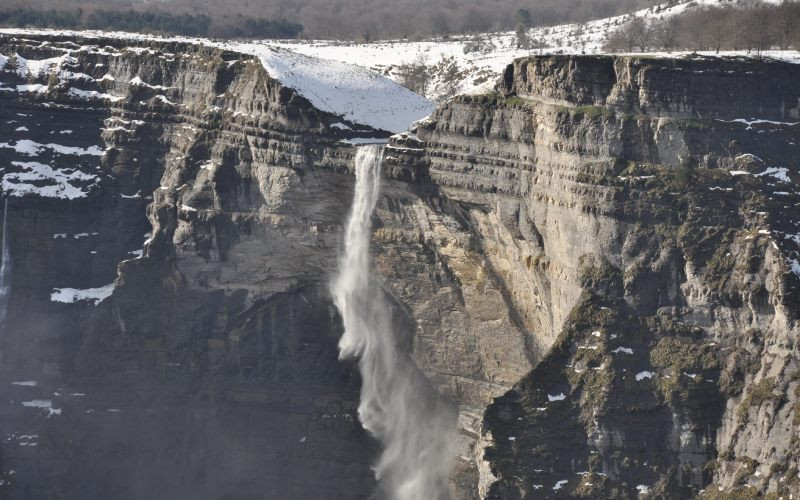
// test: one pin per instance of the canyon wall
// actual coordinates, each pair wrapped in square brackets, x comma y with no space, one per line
[596,262]
[211,205]
[630,225]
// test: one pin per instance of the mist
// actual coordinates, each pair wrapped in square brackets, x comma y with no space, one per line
[397,405]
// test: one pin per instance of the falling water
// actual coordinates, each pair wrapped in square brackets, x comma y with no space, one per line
[5,268]
[397,405]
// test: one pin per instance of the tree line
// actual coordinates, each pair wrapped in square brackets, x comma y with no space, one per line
[749,25]
[357,20]
[151,21]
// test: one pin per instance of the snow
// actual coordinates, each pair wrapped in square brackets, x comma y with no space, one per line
[45,404]
[755,121]
[739,172]
[31,148]
[26,383]
[557,397]
[352,92]
[358,141]
[626,350]
[560,484]
[27,68]
[643,489]
[21,129]
[24,147]
[141,83]
[794,265]
[346,78]
[72,295]
[482,62]
[93,94]
[643,375]
[60,183]
[164,99]
[779,173]
[38,403]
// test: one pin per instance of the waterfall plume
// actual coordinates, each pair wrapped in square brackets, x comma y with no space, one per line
[5,267]
[398,406]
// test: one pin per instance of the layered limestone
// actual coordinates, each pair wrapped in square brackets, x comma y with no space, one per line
[637,217]
[169,301]
[596,262]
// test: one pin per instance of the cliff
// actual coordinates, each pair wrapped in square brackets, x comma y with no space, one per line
[173,219]
[597,262]
[631,224]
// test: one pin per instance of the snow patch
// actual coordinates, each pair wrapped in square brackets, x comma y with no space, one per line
[779,173]
[31,148]
[93,94]
[59,183]
[72,295]
[358,141]
[354,93]
[141,83]
[45,404]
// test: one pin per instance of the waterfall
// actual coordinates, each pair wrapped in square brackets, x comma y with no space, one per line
[398,406]
[5,268]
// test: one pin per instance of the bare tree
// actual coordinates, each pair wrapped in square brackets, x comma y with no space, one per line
[523,42]
[633,35]
[415,75]
[664,33]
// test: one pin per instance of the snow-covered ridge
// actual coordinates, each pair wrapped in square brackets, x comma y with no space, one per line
[475,62]
[357,80]
[353,92]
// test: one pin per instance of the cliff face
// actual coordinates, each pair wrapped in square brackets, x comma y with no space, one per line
[593,261]
[209,198]
[638,220]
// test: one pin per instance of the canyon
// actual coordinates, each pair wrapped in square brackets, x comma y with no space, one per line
[596,262]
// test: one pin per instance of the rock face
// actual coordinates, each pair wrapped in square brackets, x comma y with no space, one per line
[213,206]
[597,262]
[634,236]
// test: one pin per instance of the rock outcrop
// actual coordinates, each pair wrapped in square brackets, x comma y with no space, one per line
[597,262]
